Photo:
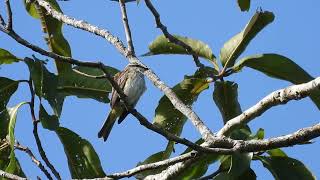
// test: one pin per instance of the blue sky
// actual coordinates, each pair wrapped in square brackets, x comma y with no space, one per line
[294,34]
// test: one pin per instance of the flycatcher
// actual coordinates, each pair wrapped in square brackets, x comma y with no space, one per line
[132,82]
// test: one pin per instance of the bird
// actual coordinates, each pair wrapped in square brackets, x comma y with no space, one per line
[132,82]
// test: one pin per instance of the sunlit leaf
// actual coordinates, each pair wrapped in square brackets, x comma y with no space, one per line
[45,84]
[53,28]
[232,49]
[6,57]
[83,160]
[280,67]
[85,87]
[286,168]
[161,45]
[14,166]
[277,152]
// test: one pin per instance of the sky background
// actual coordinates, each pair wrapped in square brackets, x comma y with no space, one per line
[294,34]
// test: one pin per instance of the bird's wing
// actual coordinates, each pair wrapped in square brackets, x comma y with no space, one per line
[121,80]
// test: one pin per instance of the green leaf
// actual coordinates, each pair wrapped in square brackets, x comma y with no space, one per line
[225,96]
[45,84]
[200,167]
[161,45]
[159,156]
[13,166]
[286,168]
[7,88]
[244,5]
[6,57]
[83,160]
[166,115]
[85,87]
[232,49]
[280,67]
[235,167]
[259,134]
[53,28]
[50,122]
[277,152]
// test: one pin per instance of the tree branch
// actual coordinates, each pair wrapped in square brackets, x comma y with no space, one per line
[35,133]
[33,158]
[205,132]
[170,37]
[10,176]
[9,15]
[275,98]
[126,26]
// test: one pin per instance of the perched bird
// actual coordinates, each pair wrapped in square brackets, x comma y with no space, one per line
[132,82]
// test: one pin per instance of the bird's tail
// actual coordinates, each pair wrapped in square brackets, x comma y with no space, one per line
[108,124]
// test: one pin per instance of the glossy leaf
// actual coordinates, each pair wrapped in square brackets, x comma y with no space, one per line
[247,175]
[6,57]
[13,166]
[85,87]
[53,28]
[50,122]
[280,67]
[45,84]
[244,5]
[83,160]
[286,168]
[161,45]
[232,49]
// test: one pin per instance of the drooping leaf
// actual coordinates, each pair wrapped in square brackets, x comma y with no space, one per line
[83,161]
[161,45]
[236,167]
[7,88]
[159,156]
[232,49]
[53,28]
[280,67]
[286,168]
[85,87]
[50,122]
[244,5]
[13,166]
[45,84]
[6,57]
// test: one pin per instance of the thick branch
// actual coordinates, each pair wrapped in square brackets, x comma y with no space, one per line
[10,176]
[278,97]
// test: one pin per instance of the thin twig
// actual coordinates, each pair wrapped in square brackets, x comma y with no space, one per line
[170,37]
[33,158]
[35,133]
[10,176]
[9,15]
[126,26]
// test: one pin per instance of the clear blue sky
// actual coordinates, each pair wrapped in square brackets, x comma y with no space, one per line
[294,33]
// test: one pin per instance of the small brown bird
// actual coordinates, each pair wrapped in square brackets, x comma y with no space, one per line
[132,82]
